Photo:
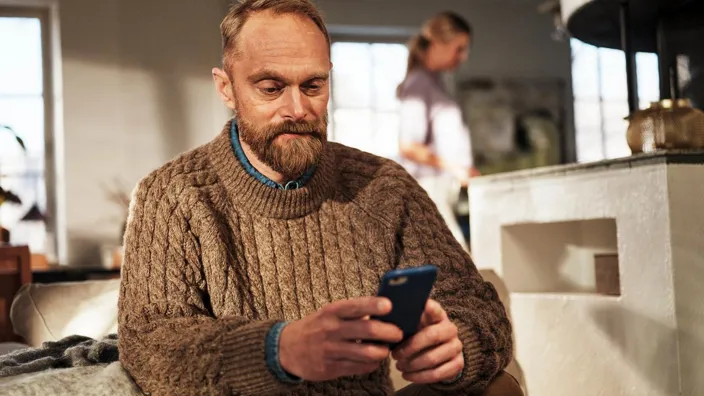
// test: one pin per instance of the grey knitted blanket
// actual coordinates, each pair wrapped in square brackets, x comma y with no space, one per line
[75,365]
[72,351]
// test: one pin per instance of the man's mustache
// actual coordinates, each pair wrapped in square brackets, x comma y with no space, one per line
[296,128]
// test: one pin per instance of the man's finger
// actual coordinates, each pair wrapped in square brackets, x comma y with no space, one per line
[370,330]
[363,353]
[431,358]
[428,337]
[433,313]
[444,372]
[359,307]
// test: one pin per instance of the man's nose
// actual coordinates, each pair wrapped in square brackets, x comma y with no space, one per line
[296,105]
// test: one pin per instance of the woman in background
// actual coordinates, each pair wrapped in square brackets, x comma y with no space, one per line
[434,142]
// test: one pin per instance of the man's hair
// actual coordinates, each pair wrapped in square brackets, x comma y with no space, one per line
[240,12]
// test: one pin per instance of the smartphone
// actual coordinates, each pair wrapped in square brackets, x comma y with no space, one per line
[409,290]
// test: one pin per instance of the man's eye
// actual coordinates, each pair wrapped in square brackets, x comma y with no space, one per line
[270,90]
[313,87]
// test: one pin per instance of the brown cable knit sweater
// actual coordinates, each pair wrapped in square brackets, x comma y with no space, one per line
[214,258]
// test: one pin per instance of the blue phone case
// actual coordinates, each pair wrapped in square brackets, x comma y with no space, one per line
[408,289]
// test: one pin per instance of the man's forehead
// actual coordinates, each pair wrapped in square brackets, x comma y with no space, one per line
[267,35]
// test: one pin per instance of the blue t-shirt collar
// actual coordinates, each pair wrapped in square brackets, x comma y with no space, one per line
[252,171]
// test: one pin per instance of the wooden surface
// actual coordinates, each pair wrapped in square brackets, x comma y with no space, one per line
[15,271]
[58,273]
[608,281]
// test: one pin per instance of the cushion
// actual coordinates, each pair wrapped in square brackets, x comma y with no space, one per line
[50,312]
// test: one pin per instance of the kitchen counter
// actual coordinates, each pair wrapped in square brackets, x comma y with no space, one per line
[604,263]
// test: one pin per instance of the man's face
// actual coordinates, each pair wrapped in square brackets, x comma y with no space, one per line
[279,87]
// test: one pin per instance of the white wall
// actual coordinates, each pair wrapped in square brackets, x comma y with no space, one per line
[137,91]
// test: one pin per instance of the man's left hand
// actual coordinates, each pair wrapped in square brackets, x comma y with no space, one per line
[434,354]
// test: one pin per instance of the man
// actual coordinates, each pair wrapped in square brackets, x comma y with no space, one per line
[249,261]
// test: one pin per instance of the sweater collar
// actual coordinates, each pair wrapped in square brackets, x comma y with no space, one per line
[244,161]
[249,193]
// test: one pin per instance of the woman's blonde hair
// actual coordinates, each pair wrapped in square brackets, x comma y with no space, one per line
[442,27]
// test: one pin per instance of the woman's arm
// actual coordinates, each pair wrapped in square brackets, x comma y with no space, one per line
[421,154]
[452,151]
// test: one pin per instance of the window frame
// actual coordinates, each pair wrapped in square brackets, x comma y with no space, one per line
[366,35]
[601,100]
[47,13]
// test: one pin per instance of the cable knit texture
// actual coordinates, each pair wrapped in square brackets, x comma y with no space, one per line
[214,258]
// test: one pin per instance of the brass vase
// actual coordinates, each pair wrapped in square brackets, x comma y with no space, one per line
[641,131]
[666,125]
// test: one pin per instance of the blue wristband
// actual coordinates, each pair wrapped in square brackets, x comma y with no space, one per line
[272,355]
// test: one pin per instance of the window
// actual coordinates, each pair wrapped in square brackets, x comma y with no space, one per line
[23,105]
[601,98]
[364,110]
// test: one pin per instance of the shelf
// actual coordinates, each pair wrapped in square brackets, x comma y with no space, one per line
[597,22]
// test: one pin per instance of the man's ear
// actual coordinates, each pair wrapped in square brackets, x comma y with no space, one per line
[224,87]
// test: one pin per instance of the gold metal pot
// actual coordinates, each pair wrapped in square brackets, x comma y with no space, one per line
[665,125]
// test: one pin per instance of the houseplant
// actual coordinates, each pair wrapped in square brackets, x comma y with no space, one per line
[7,196]
[120,196]
[112,253]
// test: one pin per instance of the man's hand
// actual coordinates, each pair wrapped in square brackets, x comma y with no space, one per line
[434,354]
[326,344]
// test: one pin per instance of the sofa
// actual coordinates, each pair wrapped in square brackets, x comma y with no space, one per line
[50,312]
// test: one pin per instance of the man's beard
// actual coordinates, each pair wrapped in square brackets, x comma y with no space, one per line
[290,157]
